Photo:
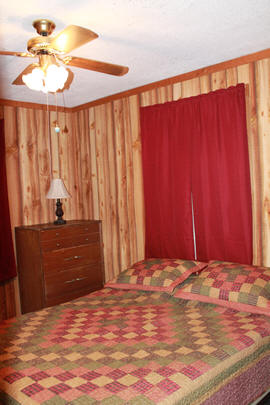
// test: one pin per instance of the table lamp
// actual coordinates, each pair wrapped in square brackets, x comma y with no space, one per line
[58,190]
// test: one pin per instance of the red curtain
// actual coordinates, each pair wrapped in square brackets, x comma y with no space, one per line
[198,147]
[7,259]
[166,144]
[221,180]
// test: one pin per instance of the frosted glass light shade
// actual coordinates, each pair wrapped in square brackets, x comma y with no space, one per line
[53,79]
[57,190]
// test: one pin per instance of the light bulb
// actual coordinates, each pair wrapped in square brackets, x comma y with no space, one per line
[55,78]
[34,80]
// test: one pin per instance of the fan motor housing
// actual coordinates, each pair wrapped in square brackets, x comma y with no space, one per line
[41,44]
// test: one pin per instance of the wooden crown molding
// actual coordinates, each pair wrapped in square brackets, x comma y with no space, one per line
[33,106]
[242,60]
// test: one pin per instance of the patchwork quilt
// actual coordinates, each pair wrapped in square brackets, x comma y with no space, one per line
[115,347]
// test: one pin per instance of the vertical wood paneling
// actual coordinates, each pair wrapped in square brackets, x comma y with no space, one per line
[85,183]
[76,192]
[246,74]
[124,248]
[55,158]
[191,87]
[263,108]
[66,164]
[103,181]
[218,80]
[205,84]
[176,90]
[231,77]
[137,175]
[93,164]
[130,207]
[113,230]
[13,167]
[44,166]
[29,168]
[145,99]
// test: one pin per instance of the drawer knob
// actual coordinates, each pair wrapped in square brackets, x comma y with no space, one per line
[75,279]
[86,229]
[56,233]
[57,244]
[73,257]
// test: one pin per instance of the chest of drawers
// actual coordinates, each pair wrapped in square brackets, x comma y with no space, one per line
[57,263]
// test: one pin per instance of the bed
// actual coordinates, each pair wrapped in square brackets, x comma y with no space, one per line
[151,336]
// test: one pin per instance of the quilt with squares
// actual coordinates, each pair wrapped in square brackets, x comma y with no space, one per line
[116,347]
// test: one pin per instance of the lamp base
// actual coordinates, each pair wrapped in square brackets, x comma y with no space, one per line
[60,222]
[59,213]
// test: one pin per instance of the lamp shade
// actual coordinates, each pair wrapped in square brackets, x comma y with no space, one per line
[57,190]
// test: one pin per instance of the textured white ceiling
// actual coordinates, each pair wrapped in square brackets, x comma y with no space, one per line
[157,39]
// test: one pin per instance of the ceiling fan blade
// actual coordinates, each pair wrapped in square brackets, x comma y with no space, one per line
[28,69]
[23,54]
[72,37]
[95,65]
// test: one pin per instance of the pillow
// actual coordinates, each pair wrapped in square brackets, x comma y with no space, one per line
[237,286]
[156,274]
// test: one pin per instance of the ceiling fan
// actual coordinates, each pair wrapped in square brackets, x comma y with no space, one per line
[51,50]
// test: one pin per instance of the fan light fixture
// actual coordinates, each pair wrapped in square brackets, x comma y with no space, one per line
[50,80]
[47,75]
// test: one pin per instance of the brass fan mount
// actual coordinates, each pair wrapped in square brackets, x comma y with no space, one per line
[42,43]
[44,27]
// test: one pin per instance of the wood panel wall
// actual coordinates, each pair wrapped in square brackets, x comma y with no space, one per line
[98,156]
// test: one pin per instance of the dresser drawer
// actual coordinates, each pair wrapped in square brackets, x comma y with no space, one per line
[74,240]
[69,232]
[59,260]
[76,279]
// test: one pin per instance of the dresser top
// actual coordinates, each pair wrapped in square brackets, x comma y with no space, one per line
[42,227]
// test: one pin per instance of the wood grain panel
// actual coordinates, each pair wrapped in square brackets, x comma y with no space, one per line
[246,74]
[29,166]
[44,164]
[177,92]
[13,167]
[191,87]
[113,229]
[263,108]
[130,207]
[103,182]
[93,164]
[231,77]
[124,248]
[218,80]
[205,84]
[137,176]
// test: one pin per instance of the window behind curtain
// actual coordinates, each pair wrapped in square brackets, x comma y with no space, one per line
[7,260]
[197,147]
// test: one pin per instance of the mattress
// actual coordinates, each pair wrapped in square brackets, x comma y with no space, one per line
[134,347]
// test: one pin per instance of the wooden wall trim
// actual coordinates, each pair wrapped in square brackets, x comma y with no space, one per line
[33,106]
[179,78]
